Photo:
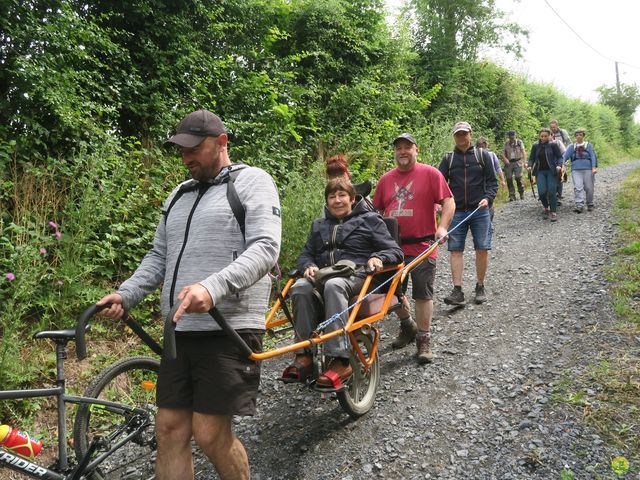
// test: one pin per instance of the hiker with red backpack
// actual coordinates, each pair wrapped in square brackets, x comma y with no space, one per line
[584,165]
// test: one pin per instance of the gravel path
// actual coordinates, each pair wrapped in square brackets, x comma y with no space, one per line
[483,409]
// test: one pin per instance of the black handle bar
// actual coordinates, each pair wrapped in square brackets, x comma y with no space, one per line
[226,328]
[170,338]
[83,322]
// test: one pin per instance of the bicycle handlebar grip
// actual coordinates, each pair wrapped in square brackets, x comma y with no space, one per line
[81,326]
[235,337]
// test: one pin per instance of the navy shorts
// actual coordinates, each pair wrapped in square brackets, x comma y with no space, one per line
[480,226]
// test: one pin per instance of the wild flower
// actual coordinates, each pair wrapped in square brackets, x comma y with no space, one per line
[10,276]
[43,251]
[58,234]
[53,224]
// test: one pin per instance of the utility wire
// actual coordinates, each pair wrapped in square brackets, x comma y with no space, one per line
[585,42]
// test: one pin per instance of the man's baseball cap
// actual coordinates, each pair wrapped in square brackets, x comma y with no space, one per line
[405,136]
[195,127]
[461,127]
[511,133]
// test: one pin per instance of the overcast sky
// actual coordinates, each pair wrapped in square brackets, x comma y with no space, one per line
[554,54]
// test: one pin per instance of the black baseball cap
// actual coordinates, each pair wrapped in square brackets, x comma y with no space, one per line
[511,133]
[405,136]
[195,127]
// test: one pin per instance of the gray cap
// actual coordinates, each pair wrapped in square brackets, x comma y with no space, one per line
[405,136]
[461,127]
[195,127]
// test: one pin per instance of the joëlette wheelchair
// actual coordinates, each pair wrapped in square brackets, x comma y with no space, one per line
[380,294]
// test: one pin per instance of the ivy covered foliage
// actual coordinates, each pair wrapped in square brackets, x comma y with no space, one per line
[90,89]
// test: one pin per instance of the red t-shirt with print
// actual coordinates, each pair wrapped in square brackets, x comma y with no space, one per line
[411,197]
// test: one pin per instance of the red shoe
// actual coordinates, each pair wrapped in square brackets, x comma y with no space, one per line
[334,378]
[299,370]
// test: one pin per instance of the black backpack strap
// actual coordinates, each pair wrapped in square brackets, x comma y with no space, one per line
[188,187]
[449,157]
[234,200]
[479,154]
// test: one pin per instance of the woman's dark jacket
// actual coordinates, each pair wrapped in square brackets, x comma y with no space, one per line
[359,236]
[552,151]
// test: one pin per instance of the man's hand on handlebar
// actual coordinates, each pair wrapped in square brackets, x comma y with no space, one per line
[115,311]
[195,299]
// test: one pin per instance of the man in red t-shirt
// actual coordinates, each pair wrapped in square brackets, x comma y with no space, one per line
[410,193]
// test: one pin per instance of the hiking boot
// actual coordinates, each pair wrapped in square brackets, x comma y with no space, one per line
[424,353]
[521,195]
[407,334]
[553,217]
[545,213]
[481,295]
[512,198]
[456,297]
[589,208]
[578,209]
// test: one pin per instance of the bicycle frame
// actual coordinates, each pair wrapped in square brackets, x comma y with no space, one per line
[18,463]
[27,467]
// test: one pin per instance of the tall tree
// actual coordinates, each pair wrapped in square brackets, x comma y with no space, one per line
[448,33]
[625,101]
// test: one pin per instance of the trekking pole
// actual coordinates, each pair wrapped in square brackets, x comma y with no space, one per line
[533,192]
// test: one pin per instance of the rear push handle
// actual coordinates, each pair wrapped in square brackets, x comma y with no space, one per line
[83,323]
[170,337]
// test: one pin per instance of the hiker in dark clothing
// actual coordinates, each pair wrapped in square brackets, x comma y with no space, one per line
[545,161]
[472,179]
[513,155]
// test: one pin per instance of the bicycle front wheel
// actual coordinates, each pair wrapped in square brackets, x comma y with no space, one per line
[130,382]
[360,394]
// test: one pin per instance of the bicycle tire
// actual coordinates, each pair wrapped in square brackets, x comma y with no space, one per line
[359,395]
[130,381]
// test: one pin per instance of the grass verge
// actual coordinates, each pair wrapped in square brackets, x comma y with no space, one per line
[608,394]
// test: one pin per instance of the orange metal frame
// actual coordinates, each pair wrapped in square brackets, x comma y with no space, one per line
[273,320]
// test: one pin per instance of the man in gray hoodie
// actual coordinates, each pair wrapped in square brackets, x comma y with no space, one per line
[205,255]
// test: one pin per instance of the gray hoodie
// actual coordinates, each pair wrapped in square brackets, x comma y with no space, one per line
[232,269]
